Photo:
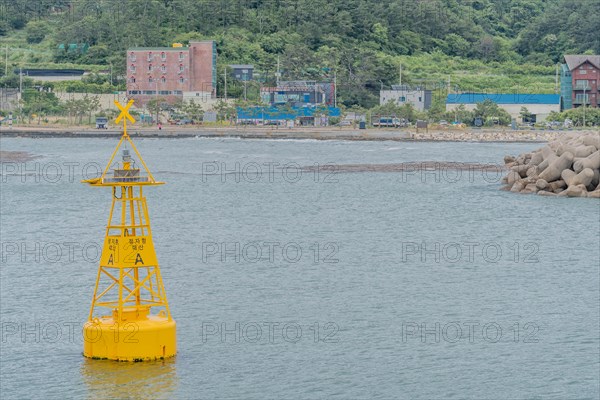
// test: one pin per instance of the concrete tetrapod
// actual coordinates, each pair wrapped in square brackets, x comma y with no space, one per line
[567,167]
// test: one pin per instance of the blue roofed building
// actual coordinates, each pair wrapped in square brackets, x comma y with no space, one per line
[307,116]
[540,105]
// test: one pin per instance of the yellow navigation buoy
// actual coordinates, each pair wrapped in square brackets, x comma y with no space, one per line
[129,318]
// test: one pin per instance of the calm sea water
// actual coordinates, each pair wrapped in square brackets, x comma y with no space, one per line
[307,285]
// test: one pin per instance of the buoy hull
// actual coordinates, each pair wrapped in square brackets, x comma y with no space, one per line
[153,338]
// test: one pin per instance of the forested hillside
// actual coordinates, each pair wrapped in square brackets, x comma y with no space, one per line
[476,44]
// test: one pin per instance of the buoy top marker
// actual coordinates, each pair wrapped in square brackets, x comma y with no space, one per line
[126,174]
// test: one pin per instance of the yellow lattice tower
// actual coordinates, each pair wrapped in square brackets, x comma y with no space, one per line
[129,318]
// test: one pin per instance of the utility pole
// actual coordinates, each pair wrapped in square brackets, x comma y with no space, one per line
[584,102]
[156,100]
[225,78]
[277,74]
[6,62]
[21,94]
[245,84]
[400,80]
[335,88]
[556,79]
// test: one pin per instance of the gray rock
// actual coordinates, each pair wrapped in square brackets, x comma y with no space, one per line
[573,179]
[547,161]
[517,187]
[560,184]
[592,140]
[584,151]
[530,188]
[592,161]
[595,194]
[554,170]
[512,177]
[541,184]
[576,191]
[531,171]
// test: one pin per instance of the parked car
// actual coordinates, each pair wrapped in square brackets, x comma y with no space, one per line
[389,122]
[101,123]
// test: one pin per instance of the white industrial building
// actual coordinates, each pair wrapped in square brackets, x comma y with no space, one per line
[540,105]
[418,97]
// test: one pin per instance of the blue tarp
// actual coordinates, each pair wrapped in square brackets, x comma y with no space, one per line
[274,113]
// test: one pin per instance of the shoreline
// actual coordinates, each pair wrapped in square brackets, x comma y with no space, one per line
[410,135]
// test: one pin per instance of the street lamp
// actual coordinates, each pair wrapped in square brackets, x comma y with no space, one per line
[584,102]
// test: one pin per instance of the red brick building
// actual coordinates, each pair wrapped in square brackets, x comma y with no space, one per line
[172,73]
[585,79]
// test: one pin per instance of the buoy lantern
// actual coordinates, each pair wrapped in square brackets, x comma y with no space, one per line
[129,318]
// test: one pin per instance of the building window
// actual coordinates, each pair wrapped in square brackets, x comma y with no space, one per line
[132,79]
[134,92]
[132,56]
[164,92]
[420,99]
[149,92]
[181,79]
[582,72]
[580,98]
[163,80]
[181,55]
[179,92]
[163,68]
[163,56]
[150,56]
[149,67]
[132,68]
[402,99]
[582,84]
[181,68]
[150,80]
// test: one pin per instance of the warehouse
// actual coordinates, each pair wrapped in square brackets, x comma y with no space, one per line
[539,105]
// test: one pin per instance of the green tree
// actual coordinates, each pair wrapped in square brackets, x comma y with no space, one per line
[491,113]
[460,114]
[39,103]
[192,110]
[525,115]
[36,31]
[225,111]
[153,105]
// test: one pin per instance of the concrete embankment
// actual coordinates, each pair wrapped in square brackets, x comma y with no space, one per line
[174,133]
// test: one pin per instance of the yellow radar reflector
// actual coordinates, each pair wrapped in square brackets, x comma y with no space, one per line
[124,111]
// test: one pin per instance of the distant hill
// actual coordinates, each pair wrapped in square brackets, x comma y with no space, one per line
[364,41]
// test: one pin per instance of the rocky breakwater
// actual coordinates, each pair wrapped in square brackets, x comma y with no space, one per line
[568,166]
[487,135]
